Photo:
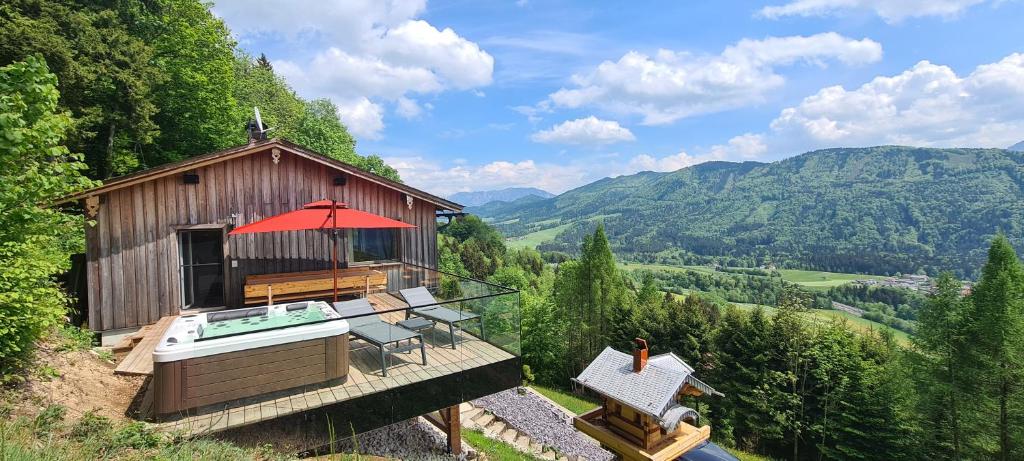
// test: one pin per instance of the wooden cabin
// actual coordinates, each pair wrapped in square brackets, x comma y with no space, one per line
[642,416]
[158,243]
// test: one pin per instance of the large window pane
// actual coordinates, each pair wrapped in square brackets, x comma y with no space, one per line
[374,245]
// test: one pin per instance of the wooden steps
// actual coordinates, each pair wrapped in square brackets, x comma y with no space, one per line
[495,428]
[139,361]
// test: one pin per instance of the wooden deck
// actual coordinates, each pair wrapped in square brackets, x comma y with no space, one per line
[364,379]
[140,360]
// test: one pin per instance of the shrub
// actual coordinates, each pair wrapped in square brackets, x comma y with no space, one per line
[91,425]
[49,419]
[136,435]
[35,240]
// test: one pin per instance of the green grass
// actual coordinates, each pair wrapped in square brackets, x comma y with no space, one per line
[50,436]
[664,267]
[495,450]
[533,239]
[824,316]
[821,280]
[577,404]
[744,456]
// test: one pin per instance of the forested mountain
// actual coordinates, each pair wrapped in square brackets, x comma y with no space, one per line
[510,194]
[875,210]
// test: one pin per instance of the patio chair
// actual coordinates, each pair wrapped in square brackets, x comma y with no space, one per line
[431,310]
[370,328]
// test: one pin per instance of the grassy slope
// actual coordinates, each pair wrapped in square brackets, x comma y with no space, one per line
[533,239]
[820,280]
[822,316]
[495,450]
[577,404]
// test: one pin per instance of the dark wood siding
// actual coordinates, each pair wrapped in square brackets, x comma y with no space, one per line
[132,251]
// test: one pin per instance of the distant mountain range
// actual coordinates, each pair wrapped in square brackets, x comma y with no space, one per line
[1019,147]
[510,194]
[873,210]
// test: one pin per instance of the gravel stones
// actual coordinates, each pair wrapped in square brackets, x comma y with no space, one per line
[538,418]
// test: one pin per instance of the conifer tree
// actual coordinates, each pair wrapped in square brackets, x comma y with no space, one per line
[995,327]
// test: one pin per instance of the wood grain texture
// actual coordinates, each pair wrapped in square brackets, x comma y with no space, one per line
[132,257]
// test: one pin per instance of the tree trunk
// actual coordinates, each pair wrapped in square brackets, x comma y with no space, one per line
[105,165]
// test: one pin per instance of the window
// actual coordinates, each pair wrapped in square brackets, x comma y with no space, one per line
[374,245]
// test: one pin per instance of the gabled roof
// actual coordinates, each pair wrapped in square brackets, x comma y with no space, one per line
[651,391]
[258,146]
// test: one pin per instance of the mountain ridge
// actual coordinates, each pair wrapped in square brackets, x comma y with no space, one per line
[509,194]
[881,209]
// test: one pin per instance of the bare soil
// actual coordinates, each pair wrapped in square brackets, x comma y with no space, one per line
[81,382]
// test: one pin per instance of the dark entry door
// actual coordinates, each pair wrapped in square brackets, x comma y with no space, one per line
[202,267]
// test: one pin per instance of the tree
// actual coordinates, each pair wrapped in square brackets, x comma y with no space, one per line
[35,240]
[320,130]
[264,63]
[939,340]
[195,52]
[996,360]
[107,73]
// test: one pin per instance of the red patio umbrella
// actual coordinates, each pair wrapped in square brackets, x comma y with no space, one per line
[324,214]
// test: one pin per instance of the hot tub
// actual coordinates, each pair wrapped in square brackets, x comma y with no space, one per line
[216,357]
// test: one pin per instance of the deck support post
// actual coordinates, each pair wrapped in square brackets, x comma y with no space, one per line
[452,428]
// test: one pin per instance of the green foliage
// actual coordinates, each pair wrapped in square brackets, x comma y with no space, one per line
[48,436]
[72,338]
[35,241]
[153,82]
[495,450]
[876,210]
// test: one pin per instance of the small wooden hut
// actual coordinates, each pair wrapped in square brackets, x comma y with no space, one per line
[642,417]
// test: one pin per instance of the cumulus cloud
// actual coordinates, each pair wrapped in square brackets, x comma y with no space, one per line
[460,176]
[888,10]
[408,108]
[363,118]
[672,85]
[368,49]
[926,105]
[584,131]
[645,162]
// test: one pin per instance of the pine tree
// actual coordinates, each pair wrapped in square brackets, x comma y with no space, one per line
[264,63]
[996,346]
[939,338]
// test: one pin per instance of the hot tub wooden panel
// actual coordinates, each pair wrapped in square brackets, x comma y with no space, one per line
[196,382]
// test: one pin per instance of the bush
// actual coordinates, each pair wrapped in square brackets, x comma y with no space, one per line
[49,419]
[91,425]
[136,435]
[35,240]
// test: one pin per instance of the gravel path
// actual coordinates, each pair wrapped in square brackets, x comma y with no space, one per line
[412,439]
[544,423]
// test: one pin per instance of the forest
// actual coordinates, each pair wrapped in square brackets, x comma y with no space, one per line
[146,83]
[793,389]
[874,210]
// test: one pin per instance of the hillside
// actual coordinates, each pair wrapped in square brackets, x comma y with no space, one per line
[873,210]
[1019,147]
[510,194]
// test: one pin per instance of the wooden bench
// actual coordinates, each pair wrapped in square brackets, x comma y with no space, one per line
[270,288]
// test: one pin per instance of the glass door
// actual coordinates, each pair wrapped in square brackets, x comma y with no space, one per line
[201,253]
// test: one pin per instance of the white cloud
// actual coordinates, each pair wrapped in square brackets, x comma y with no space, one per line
[645,162]
[672,85]
[408,108]
[926,105]
[363,118]
[590,130]
[430,175]
[889,10]
[368,49]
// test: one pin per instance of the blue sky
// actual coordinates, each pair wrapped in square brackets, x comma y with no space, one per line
[475,95]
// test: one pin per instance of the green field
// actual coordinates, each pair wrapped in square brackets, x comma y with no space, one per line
[820,280]
[577,404]
[533,239]
[824,316]
[664,267]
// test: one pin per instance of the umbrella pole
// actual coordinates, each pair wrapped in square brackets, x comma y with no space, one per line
[334,252]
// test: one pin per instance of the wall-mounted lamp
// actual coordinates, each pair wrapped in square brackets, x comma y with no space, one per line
[190,178]
[340,180]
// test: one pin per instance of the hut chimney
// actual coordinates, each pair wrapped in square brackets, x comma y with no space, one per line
[639,355]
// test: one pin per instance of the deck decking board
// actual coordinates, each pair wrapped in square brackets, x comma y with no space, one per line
[140,360]
[364,379]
